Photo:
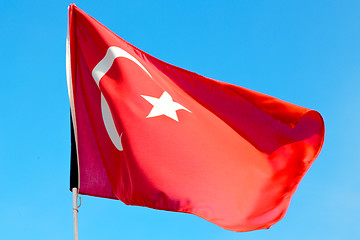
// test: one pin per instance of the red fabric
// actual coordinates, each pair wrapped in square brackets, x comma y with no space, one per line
[234,157]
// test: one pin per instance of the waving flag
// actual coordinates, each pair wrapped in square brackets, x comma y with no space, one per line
[152,134]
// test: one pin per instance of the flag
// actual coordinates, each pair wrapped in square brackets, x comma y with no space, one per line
[152,134]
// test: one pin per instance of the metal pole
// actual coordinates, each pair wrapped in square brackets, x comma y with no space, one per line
[75,213]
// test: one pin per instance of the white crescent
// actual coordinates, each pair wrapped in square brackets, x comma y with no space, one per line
[98,72]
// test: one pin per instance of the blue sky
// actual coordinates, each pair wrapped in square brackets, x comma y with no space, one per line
[305,52]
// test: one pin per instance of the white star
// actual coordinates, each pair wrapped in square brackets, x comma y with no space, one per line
[164,106]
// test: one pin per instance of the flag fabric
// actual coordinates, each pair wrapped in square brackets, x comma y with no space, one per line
[152,134]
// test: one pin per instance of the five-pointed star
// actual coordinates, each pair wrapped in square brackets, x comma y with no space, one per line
[164,106]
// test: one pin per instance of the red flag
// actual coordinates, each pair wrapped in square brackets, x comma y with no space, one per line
[152,134]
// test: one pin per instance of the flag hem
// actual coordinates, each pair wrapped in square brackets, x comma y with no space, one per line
[70,89]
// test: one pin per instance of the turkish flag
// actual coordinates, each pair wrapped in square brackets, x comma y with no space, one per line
[151,134]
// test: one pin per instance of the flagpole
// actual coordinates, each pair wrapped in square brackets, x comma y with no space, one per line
[75,213]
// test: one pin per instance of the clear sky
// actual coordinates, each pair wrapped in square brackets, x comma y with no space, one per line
[305,52]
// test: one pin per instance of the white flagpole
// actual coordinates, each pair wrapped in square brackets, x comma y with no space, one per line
[75,213]
[71,98]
